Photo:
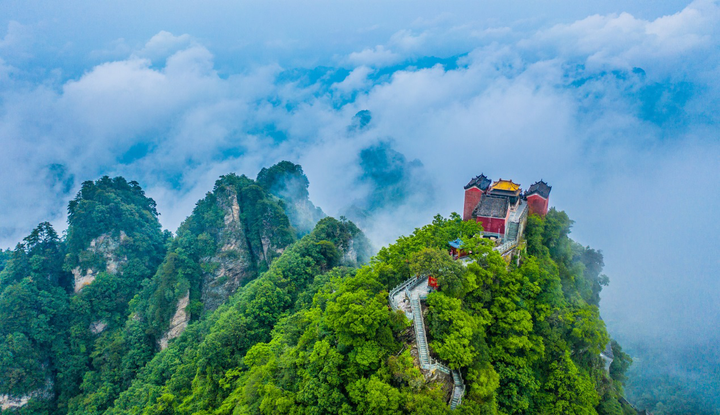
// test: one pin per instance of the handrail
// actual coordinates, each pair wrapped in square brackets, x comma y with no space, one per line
[403,286]
[504,248]
[518,217]
[426,361]
[456,398]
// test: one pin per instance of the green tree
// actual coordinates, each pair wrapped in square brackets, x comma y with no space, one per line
[439,263]
[374,396]
[567,390]
[457,336]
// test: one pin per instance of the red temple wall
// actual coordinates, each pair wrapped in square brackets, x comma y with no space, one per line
[537,204]
[472,198]
[494,225]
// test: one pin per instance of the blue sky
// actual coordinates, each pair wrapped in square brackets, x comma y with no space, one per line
[613,103]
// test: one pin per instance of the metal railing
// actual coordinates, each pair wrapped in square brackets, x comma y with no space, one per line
[404,286]
[507,246]
[458,389]
[426,361]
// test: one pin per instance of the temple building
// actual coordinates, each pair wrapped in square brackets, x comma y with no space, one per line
[455,250]
[473,192]
[537,196]
[506,189]
[492,212]
[502,207]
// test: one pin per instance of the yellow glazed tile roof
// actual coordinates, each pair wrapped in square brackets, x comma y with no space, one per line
[505,185]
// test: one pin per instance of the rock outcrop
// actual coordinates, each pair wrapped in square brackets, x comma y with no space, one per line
[233,235]
[232,264]
[98,327]
[288,182]
[356,251]
[9,402]
[105,246]
[178,324]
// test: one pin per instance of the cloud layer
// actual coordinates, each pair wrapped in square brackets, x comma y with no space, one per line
[618,112]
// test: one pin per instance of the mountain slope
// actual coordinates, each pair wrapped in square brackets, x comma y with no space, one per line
[288,182]
[233,234]
[189,373]
[235,315]
[69,296]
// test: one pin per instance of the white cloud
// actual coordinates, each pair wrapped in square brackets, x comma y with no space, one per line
[622,40]
[18,35]
[528,101]
[356,81]
[17,42]
[118,100]
[377,56]
[163,45]
[690,27]
[406,40]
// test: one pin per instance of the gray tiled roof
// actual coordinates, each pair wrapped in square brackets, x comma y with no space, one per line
[505,193]
[480,181]
[492,207]
[541,188]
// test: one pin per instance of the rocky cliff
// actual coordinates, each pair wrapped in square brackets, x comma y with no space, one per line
[288,182]
[128,290]
[178,323]
[233,235]
[101,255]
[254,230]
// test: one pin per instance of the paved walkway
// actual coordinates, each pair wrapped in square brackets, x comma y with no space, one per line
[517,214]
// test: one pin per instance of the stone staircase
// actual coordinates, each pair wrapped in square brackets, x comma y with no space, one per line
[458,390]
[420,337]
[516,225]
[426,362]
[515,221]
[512,231]
[515,228]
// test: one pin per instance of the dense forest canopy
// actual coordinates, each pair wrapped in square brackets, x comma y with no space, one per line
[237,315]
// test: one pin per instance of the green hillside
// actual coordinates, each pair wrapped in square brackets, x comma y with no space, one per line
[235,315]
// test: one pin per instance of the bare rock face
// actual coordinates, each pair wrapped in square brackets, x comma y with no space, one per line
[350,255]
[98,327]
[81,280]
[10,402]
[106,246]
[607,356]
[254,230]
[233,263]
[178,324]
[355,251]
[14,402]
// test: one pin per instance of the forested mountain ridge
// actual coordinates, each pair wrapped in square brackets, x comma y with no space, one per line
[236,315]
[288,182]
[58,295]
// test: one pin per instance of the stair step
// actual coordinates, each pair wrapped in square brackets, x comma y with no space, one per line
[421,339]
